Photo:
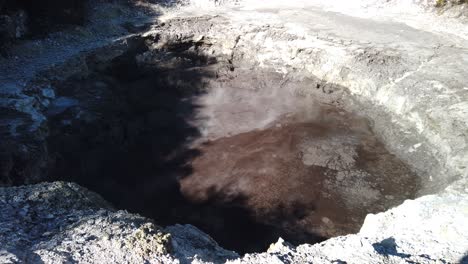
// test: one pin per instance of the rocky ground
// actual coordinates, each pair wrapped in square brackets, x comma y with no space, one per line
[408,62]
[65,223]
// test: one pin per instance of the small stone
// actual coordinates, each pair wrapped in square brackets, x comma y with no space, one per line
[280,246]
[49,216]
[46,234]
[48,93]
[327,221]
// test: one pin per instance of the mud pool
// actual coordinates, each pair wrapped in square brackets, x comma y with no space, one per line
[185,138]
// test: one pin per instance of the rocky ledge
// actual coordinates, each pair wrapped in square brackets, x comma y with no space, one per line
[62,222]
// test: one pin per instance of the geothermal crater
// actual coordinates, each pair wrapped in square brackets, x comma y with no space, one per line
[245,154]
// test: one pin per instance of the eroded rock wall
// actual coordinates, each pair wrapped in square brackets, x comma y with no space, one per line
[408,95]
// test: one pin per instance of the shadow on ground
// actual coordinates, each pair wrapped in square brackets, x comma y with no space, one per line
[464,260]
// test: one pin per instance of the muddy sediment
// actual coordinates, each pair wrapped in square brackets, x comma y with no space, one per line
[310,180]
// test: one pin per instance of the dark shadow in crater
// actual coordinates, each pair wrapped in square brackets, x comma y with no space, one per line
[464,259]
[127,139]
[230,220]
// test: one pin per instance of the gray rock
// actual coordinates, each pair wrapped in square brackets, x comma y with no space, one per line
[192,245]
[63,222]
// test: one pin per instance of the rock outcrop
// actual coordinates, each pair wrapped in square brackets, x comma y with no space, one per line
[22,101]
[63,222]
